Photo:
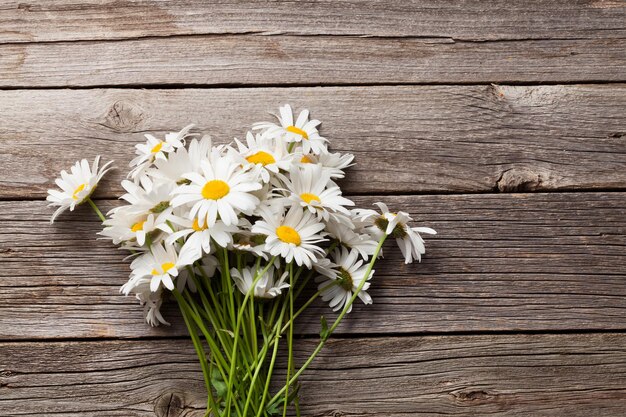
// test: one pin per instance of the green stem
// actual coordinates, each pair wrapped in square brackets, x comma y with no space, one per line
[96,209]
[289,339]
[240,315]
[335,324]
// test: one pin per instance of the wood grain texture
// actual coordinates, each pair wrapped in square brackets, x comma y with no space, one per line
[499,263]
[67,20]
[406,139]
[237,60]
[521,375]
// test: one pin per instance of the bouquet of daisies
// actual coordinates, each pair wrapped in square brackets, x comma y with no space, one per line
[244,237]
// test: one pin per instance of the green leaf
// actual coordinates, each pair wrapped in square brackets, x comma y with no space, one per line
[218,383]
[324,333]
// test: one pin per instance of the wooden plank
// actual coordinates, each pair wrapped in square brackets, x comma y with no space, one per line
[499,263]
[307,60]
[59,20]
[520,375]
[406,139]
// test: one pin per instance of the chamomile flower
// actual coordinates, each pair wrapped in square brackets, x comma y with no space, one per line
[181,161]
[332,163]
[154,149]
[268,155]
[311,188]
[408,238]
[266,287]
[351,271]
[347,237]
[161,265]
[224,189]
[200,235]
[149,196]
[76,186]
[293,236]
[125,225]
[303,131]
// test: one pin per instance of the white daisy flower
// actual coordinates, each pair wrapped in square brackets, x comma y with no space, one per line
[347,237]
[160,265]
[303,130]
[222,189]
[333,163]
[351,272]
[265,288]
[151,302]
[76,186]
[127,225]
[408,239]
[154,149]
[268,155]
[292,236]
[199,235]
[150,196]
[181,161]
[312,189]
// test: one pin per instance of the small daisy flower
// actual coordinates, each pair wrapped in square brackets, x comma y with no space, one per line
[266,288]
[351,272]
[154,149]
[149,196]
[332,163]
[181,161]
[127,225]
[199,235]
[223,189]
[76,186]
[293,236]
[267,155]
[160,265]
[303,131]
[312,189]
[347,237]
[408,238]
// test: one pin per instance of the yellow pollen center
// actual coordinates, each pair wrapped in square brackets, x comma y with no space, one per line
[196,226]
[137,226]
[164,267]
[308,197]
[288,235]
[262,158]
[78,190]
[215,189]
[297,131]
[156,148]
[306,160]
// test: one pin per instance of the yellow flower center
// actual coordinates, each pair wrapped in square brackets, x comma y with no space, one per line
[306,160]
[196,226]
[308,197]
[215,189]
[78,190]
[164,267]
[262,158]
[156,148]
[288,235]
[137,226]
[297,131]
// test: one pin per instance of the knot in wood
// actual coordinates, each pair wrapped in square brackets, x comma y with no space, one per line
[123,116]
[521,179]
[169,405]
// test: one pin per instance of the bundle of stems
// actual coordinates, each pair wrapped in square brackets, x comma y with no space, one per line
[237,336]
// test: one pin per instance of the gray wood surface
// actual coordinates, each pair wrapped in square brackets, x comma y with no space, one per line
[405,138]
[500,263]
[511,113]
[69,20]
[506,375]
[236,60]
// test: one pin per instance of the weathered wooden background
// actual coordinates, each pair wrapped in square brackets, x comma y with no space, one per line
[500,124]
